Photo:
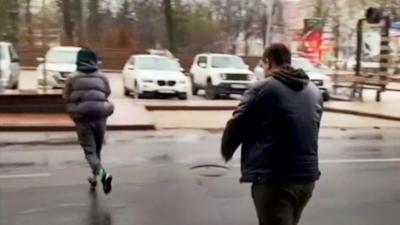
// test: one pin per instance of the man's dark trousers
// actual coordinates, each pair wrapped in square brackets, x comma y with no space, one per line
[91,138]
[281,204]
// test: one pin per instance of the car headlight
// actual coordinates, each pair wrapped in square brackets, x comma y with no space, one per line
[223,76]
[250,76]
[182,81]
[147,80]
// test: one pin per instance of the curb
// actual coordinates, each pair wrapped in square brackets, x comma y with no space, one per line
[29,68]
[72,128]
[189,108]
[360,113]
[231,108]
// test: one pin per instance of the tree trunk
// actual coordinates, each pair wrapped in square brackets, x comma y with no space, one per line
[68,24]
[170,25]
[336,32]
[94,21]
[28,21]
[79,20]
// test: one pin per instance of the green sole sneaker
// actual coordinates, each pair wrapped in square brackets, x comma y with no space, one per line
[106,181]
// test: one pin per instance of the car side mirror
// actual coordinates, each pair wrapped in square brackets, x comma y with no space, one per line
[203,65]
[181,69]
[40,59]
[130,67]
[15,60]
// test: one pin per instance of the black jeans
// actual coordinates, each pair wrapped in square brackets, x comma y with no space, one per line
[91,137]
[281,204]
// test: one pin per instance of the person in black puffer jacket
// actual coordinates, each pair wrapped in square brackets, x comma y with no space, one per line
[86,94]
[277,123]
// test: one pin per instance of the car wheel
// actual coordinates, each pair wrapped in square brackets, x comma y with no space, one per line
[211,93]
[326,96]
[127,93]
[195,89]
[15,86]
[136,91]
[182,96]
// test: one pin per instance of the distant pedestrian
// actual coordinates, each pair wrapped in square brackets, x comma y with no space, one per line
[86,94]
[277,123]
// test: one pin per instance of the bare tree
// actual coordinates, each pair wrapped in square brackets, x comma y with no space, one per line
[169,24]
[94,21]
[28,21]
[68,24]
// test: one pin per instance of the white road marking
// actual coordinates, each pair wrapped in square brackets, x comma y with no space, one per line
[348,161]
[336,161]
[28,175]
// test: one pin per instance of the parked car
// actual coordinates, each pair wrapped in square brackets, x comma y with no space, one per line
[153,75]
[220,74]
[9,66]
[323,82]
[58,64]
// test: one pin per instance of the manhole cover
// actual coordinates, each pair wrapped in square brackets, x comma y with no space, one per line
[210,170]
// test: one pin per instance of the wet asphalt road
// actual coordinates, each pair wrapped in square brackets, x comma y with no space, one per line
[154,183]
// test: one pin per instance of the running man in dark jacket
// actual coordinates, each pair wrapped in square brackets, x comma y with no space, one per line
[277,123]
[86,94]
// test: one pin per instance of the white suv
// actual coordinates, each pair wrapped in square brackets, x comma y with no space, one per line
[58,64]
[9,66]
[220,74]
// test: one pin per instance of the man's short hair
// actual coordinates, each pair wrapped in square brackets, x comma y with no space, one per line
[277,53]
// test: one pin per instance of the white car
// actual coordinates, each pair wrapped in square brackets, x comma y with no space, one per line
[220,74]
[57,65]
[9,66]
[322,81]
[152,75]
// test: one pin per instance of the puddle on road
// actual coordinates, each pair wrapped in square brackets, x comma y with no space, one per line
[160,158]
[366,137]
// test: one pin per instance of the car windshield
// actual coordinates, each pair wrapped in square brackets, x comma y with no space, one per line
[228,62]
[156,63]
[303,64]
[61,56]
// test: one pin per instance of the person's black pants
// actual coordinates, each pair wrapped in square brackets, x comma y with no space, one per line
[281,204]
[91,137]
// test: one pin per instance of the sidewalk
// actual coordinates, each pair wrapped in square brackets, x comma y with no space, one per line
[133,114]
[388,108]
[127,116]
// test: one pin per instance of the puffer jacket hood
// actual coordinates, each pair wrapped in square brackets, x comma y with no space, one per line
[87,61]
[295,79]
